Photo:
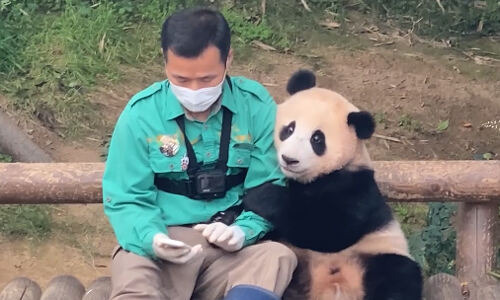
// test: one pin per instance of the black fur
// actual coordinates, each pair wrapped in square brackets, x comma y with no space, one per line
[301,80]
[327,215]
[318,143]
[266,200]
[287,131]
[392,276]
[363,123]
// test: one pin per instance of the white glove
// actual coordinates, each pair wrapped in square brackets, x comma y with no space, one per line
[229,238]
[174,251]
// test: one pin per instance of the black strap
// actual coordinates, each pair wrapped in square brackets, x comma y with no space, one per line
[186,186]
[227,118]
[194,166]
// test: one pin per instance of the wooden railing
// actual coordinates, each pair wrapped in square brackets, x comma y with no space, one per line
[475,184]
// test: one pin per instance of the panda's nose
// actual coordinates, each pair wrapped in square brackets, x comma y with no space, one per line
[289,160]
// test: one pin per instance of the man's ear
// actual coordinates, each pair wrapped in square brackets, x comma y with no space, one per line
[229,59]
[164,55]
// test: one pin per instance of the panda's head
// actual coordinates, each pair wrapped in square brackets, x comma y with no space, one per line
[318,131]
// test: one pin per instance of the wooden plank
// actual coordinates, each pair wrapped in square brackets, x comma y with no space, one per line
[491,291]
[99,289]
[64,287]
[442,287]
[476,251]
[21,288]
[401,181]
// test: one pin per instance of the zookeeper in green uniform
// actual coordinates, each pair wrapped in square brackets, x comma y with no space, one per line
[183,154]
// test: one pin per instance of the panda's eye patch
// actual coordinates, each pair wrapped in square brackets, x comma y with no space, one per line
[318,142]
[287,131]
[317,137]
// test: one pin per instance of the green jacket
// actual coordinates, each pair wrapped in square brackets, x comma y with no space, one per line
[137,210]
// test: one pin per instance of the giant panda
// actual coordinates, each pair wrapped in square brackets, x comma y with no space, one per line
[332,213]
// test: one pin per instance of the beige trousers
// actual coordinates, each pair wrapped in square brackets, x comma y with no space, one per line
[268,264]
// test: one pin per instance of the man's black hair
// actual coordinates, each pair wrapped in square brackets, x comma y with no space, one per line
[189,32]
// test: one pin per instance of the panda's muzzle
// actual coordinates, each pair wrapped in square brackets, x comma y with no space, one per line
[289,161]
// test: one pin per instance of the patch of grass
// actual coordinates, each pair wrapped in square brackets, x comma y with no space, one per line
[31,221]
[451,18]
[409,123]
[4,158]
[381,119]
[65,54]
[247,28]
[81,234]
[56,55]
[412,217]
[286,25]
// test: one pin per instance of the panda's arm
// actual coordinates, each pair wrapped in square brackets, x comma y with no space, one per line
[268,201]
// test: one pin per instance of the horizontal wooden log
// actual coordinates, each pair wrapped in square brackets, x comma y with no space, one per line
[426,181]
[401,181]
[53,183]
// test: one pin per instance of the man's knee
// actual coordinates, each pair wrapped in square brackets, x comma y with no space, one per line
[139,288]
[130,285]
[281,252]
[135,277]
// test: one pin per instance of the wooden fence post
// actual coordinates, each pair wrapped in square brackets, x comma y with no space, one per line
[476,249]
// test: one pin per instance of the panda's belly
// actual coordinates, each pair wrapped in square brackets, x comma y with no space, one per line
[336,277]
[339,276]
[320,276]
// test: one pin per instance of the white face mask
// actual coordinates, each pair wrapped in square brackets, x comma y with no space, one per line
[197,100]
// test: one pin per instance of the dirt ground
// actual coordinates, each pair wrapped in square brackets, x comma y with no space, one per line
[409,92]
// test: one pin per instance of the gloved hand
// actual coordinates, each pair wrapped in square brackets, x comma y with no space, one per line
[229,238]
[174,251]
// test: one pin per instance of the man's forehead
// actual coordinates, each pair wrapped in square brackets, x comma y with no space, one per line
[193,75]
[210,53]
[207,64]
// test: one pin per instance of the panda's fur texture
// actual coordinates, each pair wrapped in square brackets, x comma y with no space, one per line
[333,215]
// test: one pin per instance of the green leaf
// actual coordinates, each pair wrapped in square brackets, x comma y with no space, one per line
[442,126]
[487,155]
[73,84]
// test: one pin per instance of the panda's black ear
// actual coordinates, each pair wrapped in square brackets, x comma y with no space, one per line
[363,124]
[301,80]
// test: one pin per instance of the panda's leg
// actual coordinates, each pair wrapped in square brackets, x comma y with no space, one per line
[391,277]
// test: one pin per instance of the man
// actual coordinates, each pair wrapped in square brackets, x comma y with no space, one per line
[183,154]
